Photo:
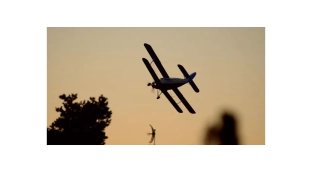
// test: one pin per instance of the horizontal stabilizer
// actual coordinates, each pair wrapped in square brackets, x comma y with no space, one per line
[186,75]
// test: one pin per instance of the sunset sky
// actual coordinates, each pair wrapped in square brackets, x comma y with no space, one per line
[230,67]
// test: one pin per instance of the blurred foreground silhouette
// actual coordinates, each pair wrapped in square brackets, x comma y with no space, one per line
[224,133]
[80,123]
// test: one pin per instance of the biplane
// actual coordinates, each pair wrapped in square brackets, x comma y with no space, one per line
[153,135]
[167,83]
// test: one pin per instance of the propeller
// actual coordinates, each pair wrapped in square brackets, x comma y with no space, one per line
[153,89]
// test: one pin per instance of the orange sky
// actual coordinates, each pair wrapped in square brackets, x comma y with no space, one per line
[230,66]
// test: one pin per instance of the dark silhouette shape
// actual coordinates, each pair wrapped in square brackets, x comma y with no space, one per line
[153,135]
[225,133]
[228,133]
[80,123]
[166,83]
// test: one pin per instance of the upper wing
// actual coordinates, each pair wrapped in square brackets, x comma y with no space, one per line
[174,104]
[184,101]
[150,69]
[152,128]
[156,60]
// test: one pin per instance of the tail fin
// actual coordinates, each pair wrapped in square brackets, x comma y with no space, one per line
[190,77]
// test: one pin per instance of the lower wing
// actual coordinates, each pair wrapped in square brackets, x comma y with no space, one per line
[174,104]
[184,101]
[152,139]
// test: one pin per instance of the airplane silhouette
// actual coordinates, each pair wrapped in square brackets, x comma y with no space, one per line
[166,83]
[153,135]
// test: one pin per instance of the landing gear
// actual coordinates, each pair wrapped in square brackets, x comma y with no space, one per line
[158,95]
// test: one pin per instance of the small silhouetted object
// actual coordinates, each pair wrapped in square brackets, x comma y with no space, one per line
[225,133]
[153,135]
[80,123]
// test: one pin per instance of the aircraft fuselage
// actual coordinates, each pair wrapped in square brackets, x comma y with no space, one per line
[170,83]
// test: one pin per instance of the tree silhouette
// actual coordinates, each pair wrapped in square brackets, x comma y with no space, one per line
[80,123]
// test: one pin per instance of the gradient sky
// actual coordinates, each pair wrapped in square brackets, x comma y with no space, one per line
[230,66]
